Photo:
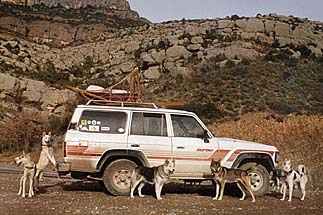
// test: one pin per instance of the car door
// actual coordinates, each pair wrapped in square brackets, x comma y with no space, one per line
[149,135]
[192,149]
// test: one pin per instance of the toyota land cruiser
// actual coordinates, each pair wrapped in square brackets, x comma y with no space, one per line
[109,141]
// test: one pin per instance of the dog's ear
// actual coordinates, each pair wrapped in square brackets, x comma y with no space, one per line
[23,153]
[50,134]
[44,134]
[166,161]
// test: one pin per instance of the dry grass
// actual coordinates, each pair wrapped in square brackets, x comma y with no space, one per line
[299,138]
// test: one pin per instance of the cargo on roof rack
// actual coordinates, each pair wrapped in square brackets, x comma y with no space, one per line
[121,103]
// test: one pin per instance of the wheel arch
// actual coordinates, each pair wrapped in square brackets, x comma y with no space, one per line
[112,155]
[259,158]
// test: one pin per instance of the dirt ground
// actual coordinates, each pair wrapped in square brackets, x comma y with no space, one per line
[67,196]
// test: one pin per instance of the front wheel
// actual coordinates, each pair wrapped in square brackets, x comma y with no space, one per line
[117,175]
[259,178]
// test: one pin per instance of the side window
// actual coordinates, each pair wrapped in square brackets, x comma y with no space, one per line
[103,122]
[150,124]
[186,126]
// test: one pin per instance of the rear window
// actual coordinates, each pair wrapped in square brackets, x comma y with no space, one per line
[103,122]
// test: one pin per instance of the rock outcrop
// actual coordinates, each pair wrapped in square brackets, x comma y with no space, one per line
[60,23]
[172,48]
[75,4]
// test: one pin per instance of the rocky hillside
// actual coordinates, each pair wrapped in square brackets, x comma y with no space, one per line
[59,23]
[74,4]
[227,67]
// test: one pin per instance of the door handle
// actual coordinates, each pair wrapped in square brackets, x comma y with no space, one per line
[180,147]
[135,145]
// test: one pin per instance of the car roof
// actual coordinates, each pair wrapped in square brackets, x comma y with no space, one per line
[128,108]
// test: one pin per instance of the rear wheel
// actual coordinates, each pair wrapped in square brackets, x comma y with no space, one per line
[259,178]
[116,177]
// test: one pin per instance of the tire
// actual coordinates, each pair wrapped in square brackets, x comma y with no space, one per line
[116,177]
[259,178]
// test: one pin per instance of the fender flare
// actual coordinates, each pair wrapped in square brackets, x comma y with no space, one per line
[261,158]
[119,153]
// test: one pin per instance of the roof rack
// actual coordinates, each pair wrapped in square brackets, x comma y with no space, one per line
[121,103]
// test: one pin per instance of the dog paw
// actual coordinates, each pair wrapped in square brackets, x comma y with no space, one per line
[241,199]
[289,200]
[141,195]
[215,198]
[282,199]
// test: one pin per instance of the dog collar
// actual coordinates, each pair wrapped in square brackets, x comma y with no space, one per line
[28,167]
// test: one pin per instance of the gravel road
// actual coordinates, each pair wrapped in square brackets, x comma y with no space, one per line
[69,196]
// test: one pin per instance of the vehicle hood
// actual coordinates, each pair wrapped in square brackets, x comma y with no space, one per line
[242,144]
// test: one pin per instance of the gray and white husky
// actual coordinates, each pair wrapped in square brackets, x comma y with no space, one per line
[298,177]
[158,175]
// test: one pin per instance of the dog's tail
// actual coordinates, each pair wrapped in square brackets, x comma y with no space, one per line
[301,170]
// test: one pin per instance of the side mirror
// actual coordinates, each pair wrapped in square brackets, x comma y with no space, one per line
[206,137]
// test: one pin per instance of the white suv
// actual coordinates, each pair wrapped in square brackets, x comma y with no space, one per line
[108,141]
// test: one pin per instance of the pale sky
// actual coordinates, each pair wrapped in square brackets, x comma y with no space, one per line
[164,10]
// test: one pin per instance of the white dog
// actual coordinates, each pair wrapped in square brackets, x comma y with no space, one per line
[298,177]
[29,172]
[46,156]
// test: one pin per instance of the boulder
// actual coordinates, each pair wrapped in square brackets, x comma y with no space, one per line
[255,25]
[152,73]
[242,23]
[283,41]
[197,40]
[181,70]
[7,82]
[301,33]
[177,52]
[34,89]
[316,51]
[147,58]
[282,29]
[194,47]
[193,30]
[159,57]
[269,26]
[131,47]
[225,23]
[173,40]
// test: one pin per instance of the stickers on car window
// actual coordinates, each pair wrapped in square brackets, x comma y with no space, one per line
[105,129]
[83,122]
[94,128]
[84,129]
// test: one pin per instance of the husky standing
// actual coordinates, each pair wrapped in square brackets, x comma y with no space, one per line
[158,175]
[46,156]
[29,172]
[223,175]
[298,177]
